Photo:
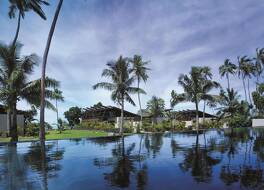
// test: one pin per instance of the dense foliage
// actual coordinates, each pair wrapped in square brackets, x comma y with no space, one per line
[73,115]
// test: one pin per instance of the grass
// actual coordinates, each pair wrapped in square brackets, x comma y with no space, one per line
[67,134]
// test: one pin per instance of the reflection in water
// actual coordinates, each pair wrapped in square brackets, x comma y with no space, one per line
[16,168]
[123,163]
[200,162]
[217,159]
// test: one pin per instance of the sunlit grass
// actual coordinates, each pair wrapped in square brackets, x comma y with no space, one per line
[67,134]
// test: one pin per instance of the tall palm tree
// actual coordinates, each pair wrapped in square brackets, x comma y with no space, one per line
[58,97]
[156,107]
[193,89]
[23,6]
[226,69]
[259,64]
[119,74]
[229,102]
[207,97]
[245,71]
[176,98]
[230,108]
[139,70]
[43,74]
[207,86]
[14,73]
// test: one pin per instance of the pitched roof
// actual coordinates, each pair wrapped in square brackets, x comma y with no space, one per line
[103,112]
[191,114]
[3,110]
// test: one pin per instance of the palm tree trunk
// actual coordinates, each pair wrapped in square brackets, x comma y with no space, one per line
[204,112]
[45,57]
[228,82]
[249,96]
[18,28]
[14,136]
[44,166]
[197,117]
[57,112]
[244,85]
[9,120]
[122,118]
[257,82]
[141,114]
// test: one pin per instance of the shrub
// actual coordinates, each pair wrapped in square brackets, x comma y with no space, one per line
[180,125]
[163,126]
[213,124]
[96,125]
[239,120]
[32,129]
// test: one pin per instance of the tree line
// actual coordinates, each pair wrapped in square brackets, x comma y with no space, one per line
[198,86]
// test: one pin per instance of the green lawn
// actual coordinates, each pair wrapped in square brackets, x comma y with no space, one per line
[52,135]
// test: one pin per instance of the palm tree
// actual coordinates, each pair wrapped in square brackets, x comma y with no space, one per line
[245,70]
[57,96]
[139,70]
[14,73]
[193,86]
[23,6]
[208,98]
[176,99]
[207,86]
[156,108]
[229,102]
[43,74]
[230,107]
[119,74]
[259,64]
[226,69]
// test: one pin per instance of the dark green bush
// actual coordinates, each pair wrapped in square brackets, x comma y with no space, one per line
[32,129]
[213,124]
[163,126]
[180,125]
[96,125]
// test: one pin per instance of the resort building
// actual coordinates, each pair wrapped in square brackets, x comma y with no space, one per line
[189,117]
[110,114]
[4,129]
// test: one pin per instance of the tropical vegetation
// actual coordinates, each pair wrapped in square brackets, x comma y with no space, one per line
[15,71]
[196,85]
[125,76]
[119,72]
[139,69]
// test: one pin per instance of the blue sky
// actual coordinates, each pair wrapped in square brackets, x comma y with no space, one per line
[173,34]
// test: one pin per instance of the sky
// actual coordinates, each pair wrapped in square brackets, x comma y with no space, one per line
[172,34]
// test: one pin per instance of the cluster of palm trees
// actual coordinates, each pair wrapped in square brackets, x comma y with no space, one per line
[245,69]
[16,69]
[123,73]
[197,86]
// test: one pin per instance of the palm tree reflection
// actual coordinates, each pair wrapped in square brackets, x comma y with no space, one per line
[246,174]
[199,162]
[124,165]
[17,166]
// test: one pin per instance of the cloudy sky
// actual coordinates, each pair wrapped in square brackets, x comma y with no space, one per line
[173,34]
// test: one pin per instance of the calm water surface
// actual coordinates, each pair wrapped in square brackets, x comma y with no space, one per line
[219,160]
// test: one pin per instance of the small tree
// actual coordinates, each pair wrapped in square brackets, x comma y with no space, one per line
[120,84]
[60,125]
[156,107]
[258,99]
[73,115]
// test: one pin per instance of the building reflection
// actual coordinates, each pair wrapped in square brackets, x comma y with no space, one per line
[17,169]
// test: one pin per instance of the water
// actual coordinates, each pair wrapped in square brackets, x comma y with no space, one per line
[219,160]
